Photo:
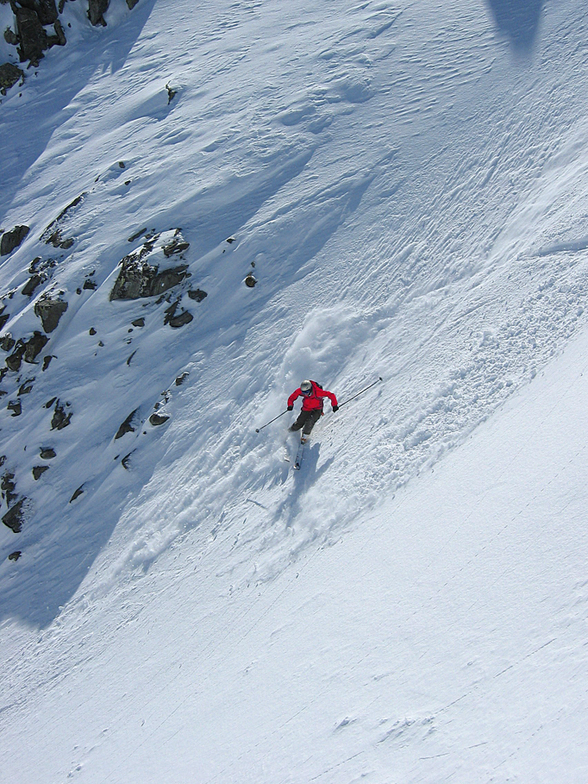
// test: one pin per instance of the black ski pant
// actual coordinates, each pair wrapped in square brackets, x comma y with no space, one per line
[307,420]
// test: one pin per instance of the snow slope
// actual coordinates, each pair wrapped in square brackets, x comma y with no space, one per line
[408,187]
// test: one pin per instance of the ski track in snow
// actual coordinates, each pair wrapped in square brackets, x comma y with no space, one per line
[412,197]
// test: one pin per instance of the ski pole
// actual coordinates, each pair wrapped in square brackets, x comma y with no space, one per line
[361,391]
[257,429]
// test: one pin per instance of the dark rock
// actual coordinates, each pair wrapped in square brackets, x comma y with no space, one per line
[137,234]
[31,34]
[47,362]
[250,281]
[168,279]
[77,494]
[14,517]
[179,321]
[144,272]
[230,240]
[177,245]
[14,361]
[126,461]
[96,11]
[33,283]
[158,419]
[197,294]
[140,322]
[50,311]
[132,3]
[12,239]
[7,488]
[49,403]
[180,379]
[139,279]
[16,407]
[60,418]
[10,36]
[53,234]
[90,285]
[41,266]
[4,318]
[58,241]
[7,342]
[59,38]
[47,453]
[46,10]
[38,471]
[171,93]
[15,555]
[92,331]
[127,425]
[9,75]
[26,388]
[34,346]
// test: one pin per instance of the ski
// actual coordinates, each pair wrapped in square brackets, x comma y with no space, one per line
[299,454]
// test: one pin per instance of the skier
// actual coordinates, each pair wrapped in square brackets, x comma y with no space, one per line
[312,405]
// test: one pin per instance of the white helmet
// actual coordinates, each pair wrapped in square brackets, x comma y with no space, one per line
[306,386]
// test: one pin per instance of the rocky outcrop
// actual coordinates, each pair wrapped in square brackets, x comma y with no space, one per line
[12,239]
[38,27]
[9,75]
[145,271]
[50,310]
[27,350]
[61,416]
[176,320]
[53,234]
[127,426]
[96,11]
[32,17]
[14,517]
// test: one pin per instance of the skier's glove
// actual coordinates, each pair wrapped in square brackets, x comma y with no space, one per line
[335,408]
[290,408]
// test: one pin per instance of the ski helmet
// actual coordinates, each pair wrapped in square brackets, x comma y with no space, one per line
[306,386]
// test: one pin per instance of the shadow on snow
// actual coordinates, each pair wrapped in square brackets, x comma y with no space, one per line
[518,20]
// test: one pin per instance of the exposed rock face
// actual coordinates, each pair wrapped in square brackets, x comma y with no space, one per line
[127,425]
[197,294]
[158,419]
[38,28]
[179,320]
[16,407]
[14,517]
[60,418]
[28,350]
[96,11]
[141,272]
[46,10]
[12,239]
[53,234]
[9,75]
[34,346]
[50,311]
[31,35]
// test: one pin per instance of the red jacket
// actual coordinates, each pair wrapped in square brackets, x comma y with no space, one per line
[314,400]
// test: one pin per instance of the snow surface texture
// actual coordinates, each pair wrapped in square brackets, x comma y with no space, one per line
[407,182]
